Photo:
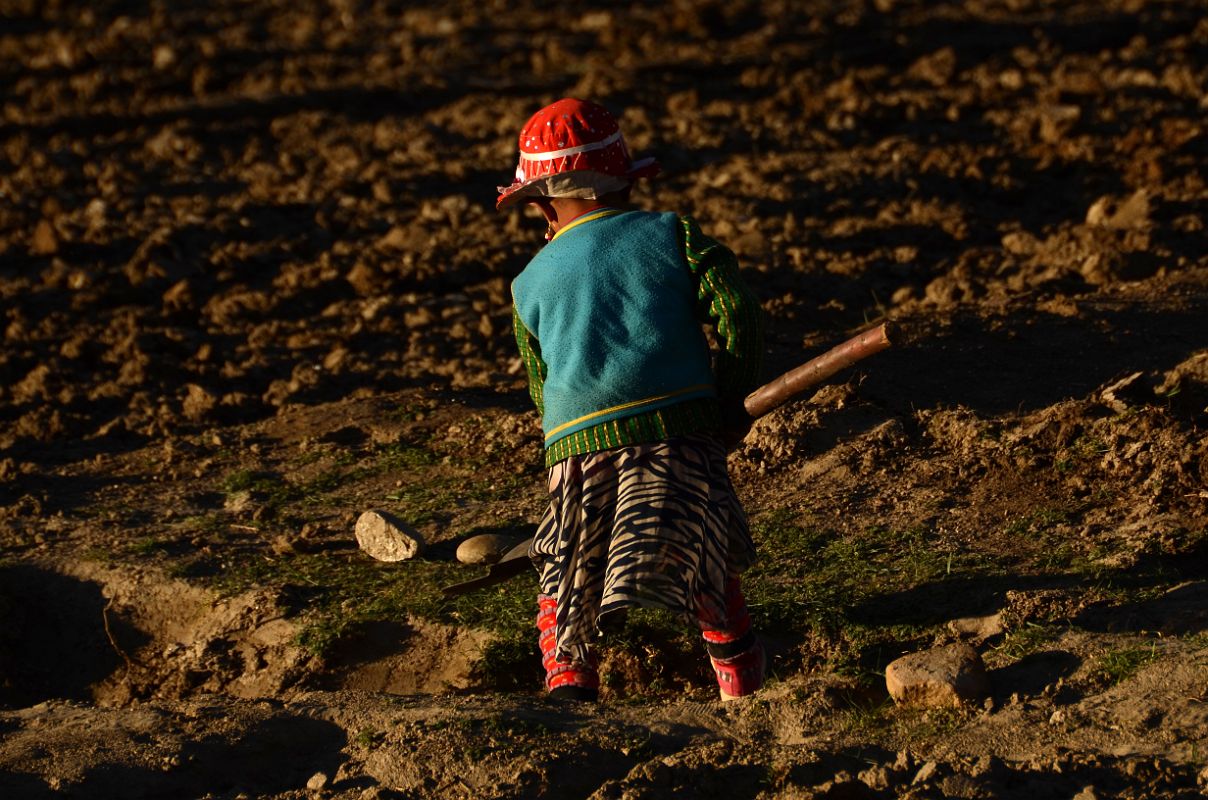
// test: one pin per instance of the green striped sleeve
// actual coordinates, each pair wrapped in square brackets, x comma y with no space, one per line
[530,354]
[725,301]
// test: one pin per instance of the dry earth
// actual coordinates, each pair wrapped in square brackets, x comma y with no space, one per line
[252,284]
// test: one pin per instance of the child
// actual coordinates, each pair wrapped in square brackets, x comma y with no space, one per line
[636,420]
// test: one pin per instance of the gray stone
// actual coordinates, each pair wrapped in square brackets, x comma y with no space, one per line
[387,538]
[486,548]
[945,676]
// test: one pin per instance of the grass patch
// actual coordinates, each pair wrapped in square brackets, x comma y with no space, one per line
[807,580]
[97,554]
[1117,666]
[1083,449]
[246,480]
[865,717]
[922,728]
[1196,641]
[204,523]
[403,455]
[147,546]
[274,492]
[1053,551]
[369,738]
[1037,521]
[504,734]
[342,594]
[426,502]
[1025,640]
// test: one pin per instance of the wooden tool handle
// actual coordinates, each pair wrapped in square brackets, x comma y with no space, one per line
[792,383]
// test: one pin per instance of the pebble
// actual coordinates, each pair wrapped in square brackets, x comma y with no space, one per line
[486,548]
[317,782]
[163,56]
[385,537]
[944,676]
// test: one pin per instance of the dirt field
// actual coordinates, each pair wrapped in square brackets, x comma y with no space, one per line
[252,284]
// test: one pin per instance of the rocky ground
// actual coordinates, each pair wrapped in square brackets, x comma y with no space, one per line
[253,284]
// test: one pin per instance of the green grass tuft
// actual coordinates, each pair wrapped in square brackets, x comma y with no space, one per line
[1025,640]
[1118,666]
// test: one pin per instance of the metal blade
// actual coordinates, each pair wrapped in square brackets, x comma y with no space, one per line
[514,562]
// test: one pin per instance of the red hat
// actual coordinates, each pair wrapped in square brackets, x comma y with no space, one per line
[573,148]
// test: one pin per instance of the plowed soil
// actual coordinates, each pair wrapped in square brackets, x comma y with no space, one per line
[252,283]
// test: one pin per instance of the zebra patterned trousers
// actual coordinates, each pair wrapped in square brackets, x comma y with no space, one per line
[654,525]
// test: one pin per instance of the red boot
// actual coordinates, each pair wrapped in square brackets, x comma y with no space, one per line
[564,680]
[740,675]
[737,657]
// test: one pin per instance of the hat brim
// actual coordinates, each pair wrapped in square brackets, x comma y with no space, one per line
[586,184]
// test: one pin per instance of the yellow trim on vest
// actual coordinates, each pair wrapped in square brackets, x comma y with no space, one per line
[625,406]
[588,217]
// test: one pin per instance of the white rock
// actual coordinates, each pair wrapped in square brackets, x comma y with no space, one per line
[317,782]
[387,538]
[486,548]
[945,676]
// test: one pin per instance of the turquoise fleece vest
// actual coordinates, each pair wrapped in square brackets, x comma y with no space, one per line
[612,304]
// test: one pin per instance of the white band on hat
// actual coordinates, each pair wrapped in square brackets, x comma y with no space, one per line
[570,151]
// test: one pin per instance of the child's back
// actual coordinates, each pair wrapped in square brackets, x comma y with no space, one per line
[608,322]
